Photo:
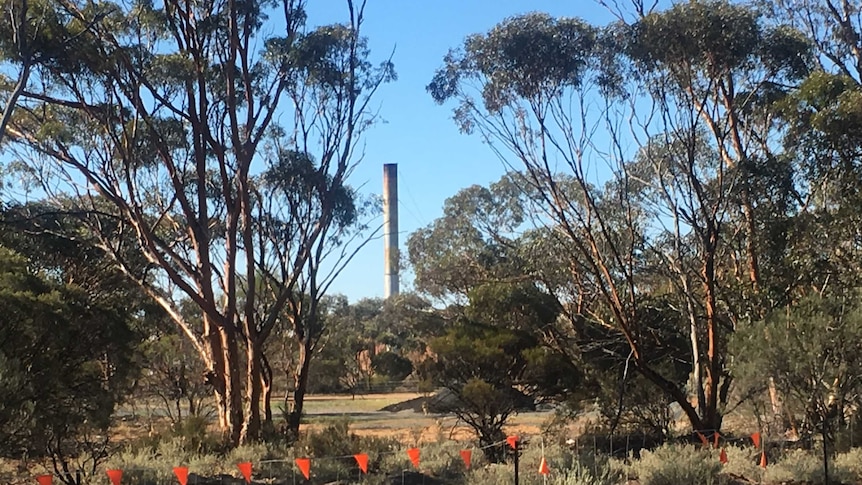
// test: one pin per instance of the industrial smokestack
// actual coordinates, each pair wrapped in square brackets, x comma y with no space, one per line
[390,229]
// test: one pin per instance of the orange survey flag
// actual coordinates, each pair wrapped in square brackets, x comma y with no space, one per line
[762,459]
[715,438]
[245,469]
[755,437]
[182,474]
[304,465]
[362,461]
[722,457]
[512,440]
[543,467]
[466,455]
[702,438]
[413,453]
[116,476]
[46,479]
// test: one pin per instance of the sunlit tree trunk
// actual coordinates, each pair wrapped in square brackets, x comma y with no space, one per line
[254,384]
[294,419]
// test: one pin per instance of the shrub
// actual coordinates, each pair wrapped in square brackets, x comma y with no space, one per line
[336,445]
[678,465]
[270,460]
[742,461]
[848,466]
[796,465]
[443,460]
[141,467]
[590,469]
[494,474]
[194,435]
[807,467]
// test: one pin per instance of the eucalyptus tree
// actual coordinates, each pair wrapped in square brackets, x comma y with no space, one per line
[716,70]
[822,140]
[833,27]
[525,86]
[475,241]
[557,98]
[33,33]
[164,124]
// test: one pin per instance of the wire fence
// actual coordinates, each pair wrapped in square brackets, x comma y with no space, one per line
[428,464]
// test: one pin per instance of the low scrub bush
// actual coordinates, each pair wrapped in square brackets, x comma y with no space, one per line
[590,469]
[194,435]
[675,464]
[140,467]
[334,447]
[443,460]
[742,462]
[795,465]
[848,466]
[801,466]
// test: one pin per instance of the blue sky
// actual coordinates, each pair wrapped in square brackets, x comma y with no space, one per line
[434,159]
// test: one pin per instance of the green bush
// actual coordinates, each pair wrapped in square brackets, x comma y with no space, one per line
[678,465]
[194,435]
[269,460]
[806,466]
[191,436]
[742,461]
[848,466]
[590,469]
[495,473]
[335,445]
[140,467]
[443,460]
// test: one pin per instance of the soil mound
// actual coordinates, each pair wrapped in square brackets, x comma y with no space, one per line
[444,400]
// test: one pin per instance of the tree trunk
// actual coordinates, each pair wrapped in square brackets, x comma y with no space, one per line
[711,416]
[490,435]
[266,385]
[696,376]
[674,392]
[215,376]
[301,380]
[225,378]
[251,428]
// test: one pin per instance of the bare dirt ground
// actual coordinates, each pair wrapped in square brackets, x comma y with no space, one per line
[368,418]
[365,413]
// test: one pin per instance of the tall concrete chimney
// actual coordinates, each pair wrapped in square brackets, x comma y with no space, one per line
[390,230]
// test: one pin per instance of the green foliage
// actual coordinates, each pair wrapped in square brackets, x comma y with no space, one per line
[65,362]
[807,467]
[815,348]
[50,36]
[392,365]
[335,446]
[493,361]
[347,359]
[520,58]
[697,43]
[480,239]
[194,435]
[204,166]
[742,461]
[678,465]
[715,36]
